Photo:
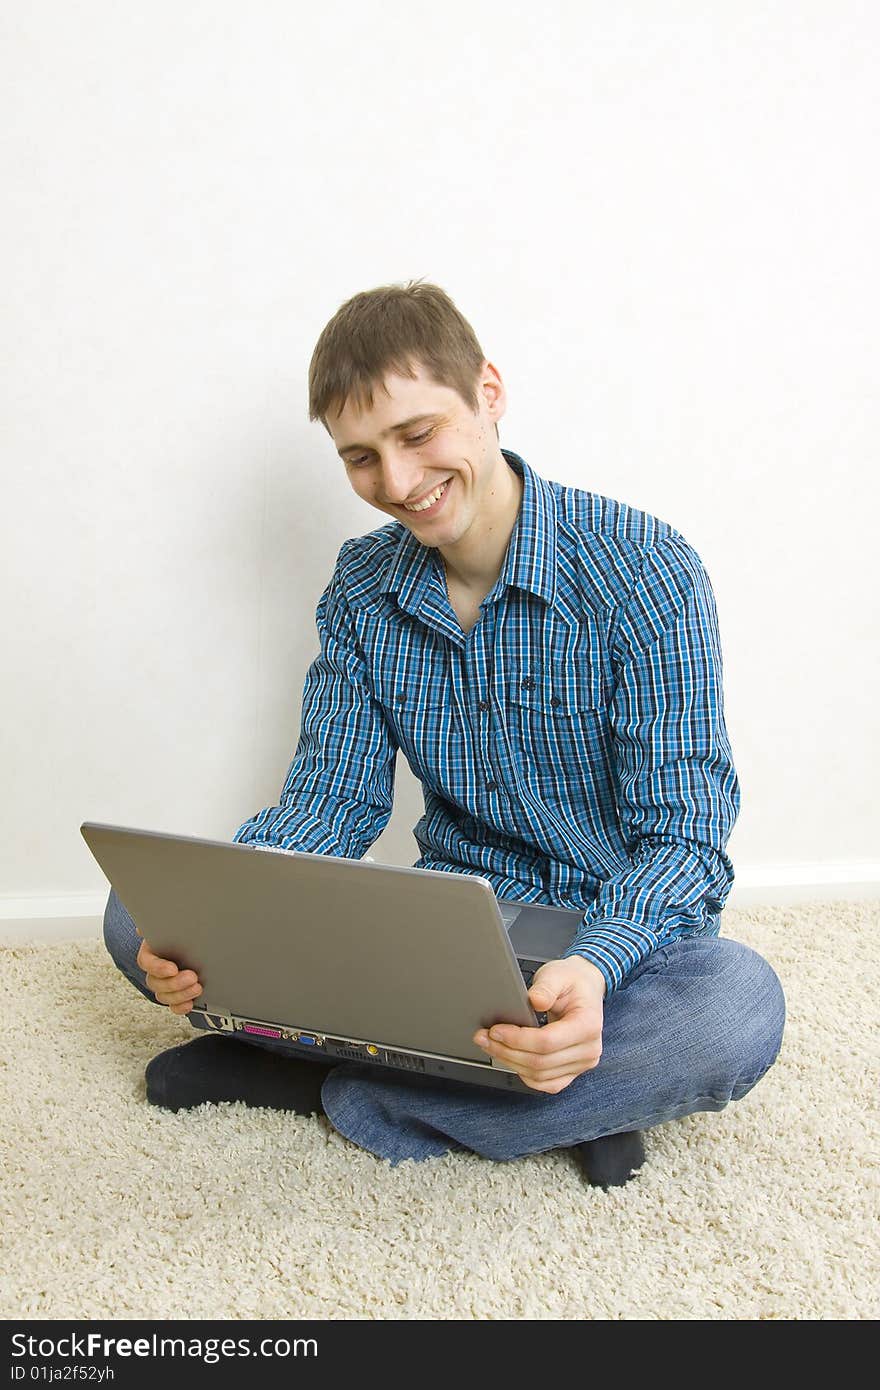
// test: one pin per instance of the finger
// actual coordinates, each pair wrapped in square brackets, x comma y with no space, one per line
[555,1077]
[180,1008]
[185,1004]
[571,1062]
[152,964]
[553,1037]
[550,1088]
[147,958]
[570,1066]
[179,980]
[584,1053]
[541,997]
[175,996]
[178,985]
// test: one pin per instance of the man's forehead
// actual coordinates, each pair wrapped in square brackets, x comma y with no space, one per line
[397,400]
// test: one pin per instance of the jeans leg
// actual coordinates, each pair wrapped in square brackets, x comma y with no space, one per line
[123,944]
[695,1026]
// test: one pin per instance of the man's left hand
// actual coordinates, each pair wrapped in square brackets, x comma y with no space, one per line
[570,992]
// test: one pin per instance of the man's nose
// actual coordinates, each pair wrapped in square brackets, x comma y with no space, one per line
[398,479]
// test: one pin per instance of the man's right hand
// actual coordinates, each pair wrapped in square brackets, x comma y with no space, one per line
[176,988]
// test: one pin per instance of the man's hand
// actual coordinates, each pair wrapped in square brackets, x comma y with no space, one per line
[570,992]
[175,988]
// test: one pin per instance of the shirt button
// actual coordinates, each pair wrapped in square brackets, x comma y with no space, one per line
[482,704]
[529,683]
[491,786]
[555,700]
[400,697]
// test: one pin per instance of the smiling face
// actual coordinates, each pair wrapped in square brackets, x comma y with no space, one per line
[420,439]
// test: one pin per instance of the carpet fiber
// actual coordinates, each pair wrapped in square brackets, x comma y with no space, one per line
[113,1209]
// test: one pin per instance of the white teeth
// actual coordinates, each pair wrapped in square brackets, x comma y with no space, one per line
[429,501]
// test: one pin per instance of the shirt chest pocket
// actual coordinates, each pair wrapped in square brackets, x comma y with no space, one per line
[558,723]
[425,724]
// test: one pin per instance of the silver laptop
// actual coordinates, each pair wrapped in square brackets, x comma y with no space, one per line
[337,958]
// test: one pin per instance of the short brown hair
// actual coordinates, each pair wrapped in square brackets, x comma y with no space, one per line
[392,328]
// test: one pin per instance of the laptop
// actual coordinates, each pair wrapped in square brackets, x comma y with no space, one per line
[335,958]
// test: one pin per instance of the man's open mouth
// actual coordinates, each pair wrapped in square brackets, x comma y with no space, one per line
[428,502]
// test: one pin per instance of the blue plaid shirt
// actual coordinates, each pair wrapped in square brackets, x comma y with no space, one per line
[571,747]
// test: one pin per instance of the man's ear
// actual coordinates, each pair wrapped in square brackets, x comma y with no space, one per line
[493,392]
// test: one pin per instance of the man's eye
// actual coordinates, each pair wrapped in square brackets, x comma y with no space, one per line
[413,439]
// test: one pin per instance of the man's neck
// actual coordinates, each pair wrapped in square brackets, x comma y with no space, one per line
[476,562]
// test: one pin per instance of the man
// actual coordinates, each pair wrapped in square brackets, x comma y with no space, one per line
[548,661]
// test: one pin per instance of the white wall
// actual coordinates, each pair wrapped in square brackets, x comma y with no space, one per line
[661,220]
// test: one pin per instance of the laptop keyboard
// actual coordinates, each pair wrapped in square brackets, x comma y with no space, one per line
[527,970]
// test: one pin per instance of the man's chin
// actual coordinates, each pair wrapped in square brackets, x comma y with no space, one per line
[428,535]
[429,542]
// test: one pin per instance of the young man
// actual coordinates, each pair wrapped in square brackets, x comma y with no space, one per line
[548,660]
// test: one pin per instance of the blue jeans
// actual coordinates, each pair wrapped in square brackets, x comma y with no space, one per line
[694,1026]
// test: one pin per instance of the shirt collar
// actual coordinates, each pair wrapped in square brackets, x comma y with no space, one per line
[530,561]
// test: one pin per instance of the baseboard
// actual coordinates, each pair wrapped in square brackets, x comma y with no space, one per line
[44,930]
[791,884]
[64,917]
[51,917]
[51,905]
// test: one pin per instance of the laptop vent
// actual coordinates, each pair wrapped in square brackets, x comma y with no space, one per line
[403,1059]
[393,1059]
[355,1053]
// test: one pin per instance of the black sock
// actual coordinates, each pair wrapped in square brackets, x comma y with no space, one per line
[611,1160]
[218,1068]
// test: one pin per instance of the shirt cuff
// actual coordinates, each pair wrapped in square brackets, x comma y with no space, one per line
[614,947]
[301,831]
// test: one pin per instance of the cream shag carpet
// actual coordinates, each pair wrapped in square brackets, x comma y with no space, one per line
[114,1209]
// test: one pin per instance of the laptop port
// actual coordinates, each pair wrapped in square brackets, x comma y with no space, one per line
[221,1022]
[260,1031]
